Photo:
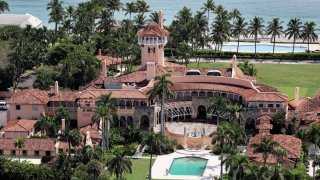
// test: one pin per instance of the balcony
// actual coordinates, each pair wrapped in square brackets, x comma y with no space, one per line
[53,109]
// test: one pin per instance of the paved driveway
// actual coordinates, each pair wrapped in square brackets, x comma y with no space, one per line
[3,117]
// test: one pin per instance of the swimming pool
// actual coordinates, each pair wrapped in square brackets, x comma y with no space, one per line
[189,166]
[263,48]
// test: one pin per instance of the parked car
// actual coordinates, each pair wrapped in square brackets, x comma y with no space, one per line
[3,106]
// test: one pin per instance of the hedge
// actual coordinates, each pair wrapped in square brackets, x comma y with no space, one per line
[223,54]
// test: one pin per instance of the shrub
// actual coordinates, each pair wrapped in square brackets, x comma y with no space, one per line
[179,146]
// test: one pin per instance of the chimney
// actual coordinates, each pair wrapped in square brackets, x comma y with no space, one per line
[104,69]
[234,61]
[151,70]
[297,94]
[100,52]
[63,125]
[56,88]
[161,19]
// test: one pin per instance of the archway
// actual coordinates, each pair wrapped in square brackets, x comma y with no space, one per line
[130,121]
[202,112]
[144,122]
[250,126]
[122,121]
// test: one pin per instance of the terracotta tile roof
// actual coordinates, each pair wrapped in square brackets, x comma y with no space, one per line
[264,126]
[94,133]
[64,96]
[263,96]
[35,96]
[29,96]
[170,64]
[116,93]
[291,144]
[245,92]
[36,144]
[264,119]
[19,125]
[152,30]
[265,88]
[109,59]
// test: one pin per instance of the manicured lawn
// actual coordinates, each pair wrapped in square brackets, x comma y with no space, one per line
[140,169]
[285,77]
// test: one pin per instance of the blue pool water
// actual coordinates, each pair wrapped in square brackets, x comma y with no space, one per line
[263,48]
[188,166]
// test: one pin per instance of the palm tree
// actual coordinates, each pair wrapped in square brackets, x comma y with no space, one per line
[48,126]
[308,33]
[142,7]
[208,6]
[266,146]
[223,139]
[239,28]
[235,14]
[248,68]
[234,111]
[129,8]
[113,6]
[57,12]
[4,6]
[256,28]
[236,164]
[256,172]
[94,168]
[74,138]
[275,30]
[19,143]
[293,31]
[160,90]
[218,105]
[149,140]
[154,17]
[119,165]
[104,111]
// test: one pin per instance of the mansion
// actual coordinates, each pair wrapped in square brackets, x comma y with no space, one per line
[191,88]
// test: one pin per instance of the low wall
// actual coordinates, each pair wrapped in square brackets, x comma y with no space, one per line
[190,142]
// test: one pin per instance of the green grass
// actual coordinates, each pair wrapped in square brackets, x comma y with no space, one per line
[140,169]
[285,77]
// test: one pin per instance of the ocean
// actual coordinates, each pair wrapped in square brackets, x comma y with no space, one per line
[306,10]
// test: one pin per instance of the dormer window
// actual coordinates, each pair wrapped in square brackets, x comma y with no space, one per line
[193,73]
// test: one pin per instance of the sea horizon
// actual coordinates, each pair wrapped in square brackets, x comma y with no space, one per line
[306,10]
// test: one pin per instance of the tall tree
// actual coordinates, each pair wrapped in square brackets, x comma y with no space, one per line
[94,168]
[160,90]
[142,7]
[119,165]
[113,6]
[56,12]
[19,143]
[239,28]
[236,164]
[150,140]
[129,8]
[4,6]
[308,33]
[235,14]
[74,138]
[265,147]
[222,138]
[218,106]
[256,28]
[274,29]
[104,111]
[293,31]
[208,6]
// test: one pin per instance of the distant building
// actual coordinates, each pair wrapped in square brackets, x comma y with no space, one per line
[21,20]
[18,128]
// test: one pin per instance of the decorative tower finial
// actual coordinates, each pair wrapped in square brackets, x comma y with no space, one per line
[161,19]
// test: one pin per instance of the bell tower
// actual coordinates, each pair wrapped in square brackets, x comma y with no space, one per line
[152,39]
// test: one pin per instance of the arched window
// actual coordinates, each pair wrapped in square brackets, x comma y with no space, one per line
[144,122]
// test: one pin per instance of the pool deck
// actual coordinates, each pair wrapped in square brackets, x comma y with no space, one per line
[162,165]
